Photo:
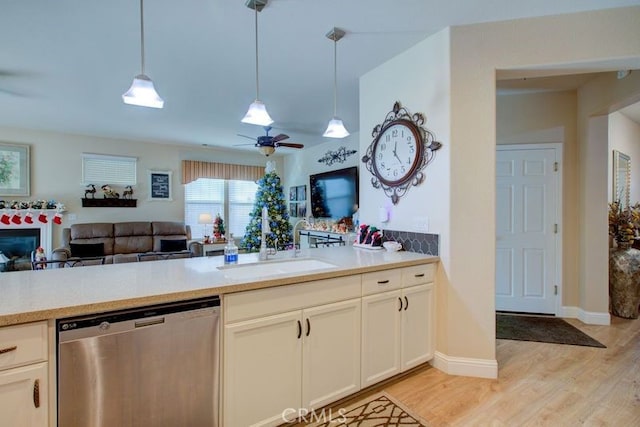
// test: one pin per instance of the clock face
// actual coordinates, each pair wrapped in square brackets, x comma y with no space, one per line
[396,152]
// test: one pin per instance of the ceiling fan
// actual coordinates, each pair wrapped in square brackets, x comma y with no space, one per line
[267,144]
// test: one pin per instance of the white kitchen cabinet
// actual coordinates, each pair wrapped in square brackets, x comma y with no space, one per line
[263,369]
[397,326]
[303,358]
[331,353]
[24,375]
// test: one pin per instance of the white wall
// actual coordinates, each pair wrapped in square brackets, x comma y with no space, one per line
[457,84]
[624,136]
[56,173]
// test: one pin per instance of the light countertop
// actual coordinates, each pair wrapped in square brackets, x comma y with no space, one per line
[27,296]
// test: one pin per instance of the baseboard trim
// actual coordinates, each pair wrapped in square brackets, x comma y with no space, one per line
[464,366]
[587,317]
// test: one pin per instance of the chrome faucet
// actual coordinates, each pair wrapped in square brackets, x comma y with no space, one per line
[264,250]
[296,249]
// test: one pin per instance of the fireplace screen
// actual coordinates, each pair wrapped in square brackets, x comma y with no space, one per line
[17,246]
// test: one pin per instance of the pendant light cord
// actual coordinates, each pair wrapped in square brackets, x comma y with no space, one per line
[335,76]
[142,35]
[255,7]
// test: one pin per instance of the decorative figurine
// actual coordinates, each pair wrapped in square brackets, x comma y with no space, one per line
[127,193]
[91,189]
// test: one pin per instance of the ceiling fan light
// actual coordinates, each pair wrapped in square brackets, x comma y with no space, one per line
[142,93]
[257,114]
[266,149]
[335,129]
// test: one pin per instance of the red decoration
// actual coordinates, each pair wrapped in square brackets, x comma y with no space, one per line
[57,218]
[43,218]
[16,219]
[28,218]
[6,219]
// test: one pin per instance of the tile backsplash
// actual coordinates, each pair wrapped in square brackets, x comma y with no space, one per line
[423,243]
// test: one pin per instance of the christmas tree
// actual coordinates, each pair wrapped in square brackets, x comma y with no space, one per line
[271,195]
[218,227]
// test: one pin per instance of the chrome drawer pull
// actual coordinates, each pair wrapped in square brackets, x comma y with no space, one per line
[383,282]
[8,349]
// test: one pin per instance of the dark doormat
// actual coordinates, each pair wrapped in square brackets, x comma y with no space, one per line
[541,329]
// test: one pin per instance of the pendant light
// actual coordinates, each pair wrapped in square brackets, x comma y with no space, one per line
[257,113]
[142,92]
[336,128]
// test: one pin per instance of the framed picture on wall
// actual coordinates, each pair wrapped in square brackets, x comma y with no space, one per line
[293,210]
[14,170]
[302,210]
[301,191]
[293,195]
[160,185]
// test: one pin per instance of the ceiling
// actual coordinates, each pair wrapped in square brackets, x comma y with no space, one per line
[64,64]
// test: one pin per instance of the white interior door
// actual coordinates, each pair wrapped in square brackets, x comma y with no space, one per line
[526,229]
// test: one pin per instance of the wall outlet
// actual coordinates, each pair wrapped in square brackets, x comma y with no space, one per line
[421,224]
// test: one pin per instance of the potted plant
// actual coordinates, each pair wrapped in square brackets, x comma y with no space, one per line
[624,261]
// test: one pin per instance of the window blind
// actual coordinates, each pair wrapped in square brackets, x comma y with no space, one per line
[102,169]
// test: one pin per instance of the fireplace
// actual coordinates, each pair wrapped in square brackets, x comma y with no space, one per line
[18,240]
[17,245]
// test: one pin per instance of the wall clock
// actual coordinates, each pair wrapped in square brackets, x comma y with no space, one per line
[400,150]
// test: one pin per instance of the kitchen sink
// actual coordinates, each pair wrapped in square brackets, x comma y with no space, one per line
[271,268]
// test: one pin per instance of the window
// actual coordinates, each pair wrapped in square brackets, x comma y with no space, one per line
[233,200]
[100,169]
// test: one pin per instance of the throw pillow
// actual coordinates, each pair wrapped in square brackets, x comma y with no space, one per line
[86,250]
[173,245]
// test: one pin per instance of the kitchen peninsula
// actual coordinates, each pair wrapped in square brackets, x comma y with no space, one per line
[340,297]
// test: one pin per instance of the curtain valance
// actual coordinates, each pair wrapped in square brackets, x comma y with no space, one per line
[194,169]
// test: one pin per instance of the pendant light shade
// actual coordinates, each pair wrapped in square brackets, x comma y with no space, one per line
[336,128]
[142,92]
[257,113]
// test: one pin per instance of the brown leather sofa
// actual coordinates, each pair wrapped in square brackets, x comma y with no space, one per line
[122,242]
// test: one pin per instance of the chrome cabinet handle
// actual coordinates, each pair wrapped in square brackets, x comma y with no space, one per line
[400,301]
[36,393]
[383,282]
[8,349]
[308,327]
[406,302]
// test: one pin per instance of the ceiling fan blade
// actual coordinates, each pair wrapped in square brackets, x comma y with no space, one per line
[289,144]
[280,137]
[246,136]
[243,145]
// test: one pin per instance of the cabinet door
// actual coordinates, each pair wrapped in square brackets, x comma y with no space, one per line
[331,352]
[381,314]
[417,325]
[262,369]
[23,396]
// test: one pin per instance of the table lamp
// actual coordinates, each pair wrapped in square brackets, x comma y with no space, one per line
[205,218]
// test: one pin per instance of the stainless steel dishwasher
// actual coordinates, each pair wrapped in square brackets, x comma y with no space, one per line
[153,366]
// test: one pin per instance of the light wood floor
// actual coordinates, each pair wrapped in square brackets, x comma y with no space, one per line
[538,384]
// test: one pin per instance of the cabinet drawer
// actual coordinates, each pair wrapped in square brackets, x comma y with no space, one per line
[265,302]
[23,344]
[381,281]
[418,274]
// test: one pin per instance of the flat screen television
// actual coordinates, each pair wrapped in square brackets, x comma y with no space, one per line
[334,194]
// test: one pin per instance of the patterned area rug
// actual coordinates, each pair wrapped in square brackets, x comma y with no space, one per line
[377,410]
[541,329]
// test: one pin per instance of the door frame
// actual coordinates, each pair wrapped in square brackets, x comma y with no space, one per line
[558,147]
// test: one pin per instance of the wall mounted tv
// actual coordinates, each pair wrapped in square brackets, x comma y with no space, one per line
[334,194]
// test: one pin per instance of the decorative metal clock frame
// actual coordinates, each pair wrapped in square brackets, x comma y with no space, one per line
[426,146]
